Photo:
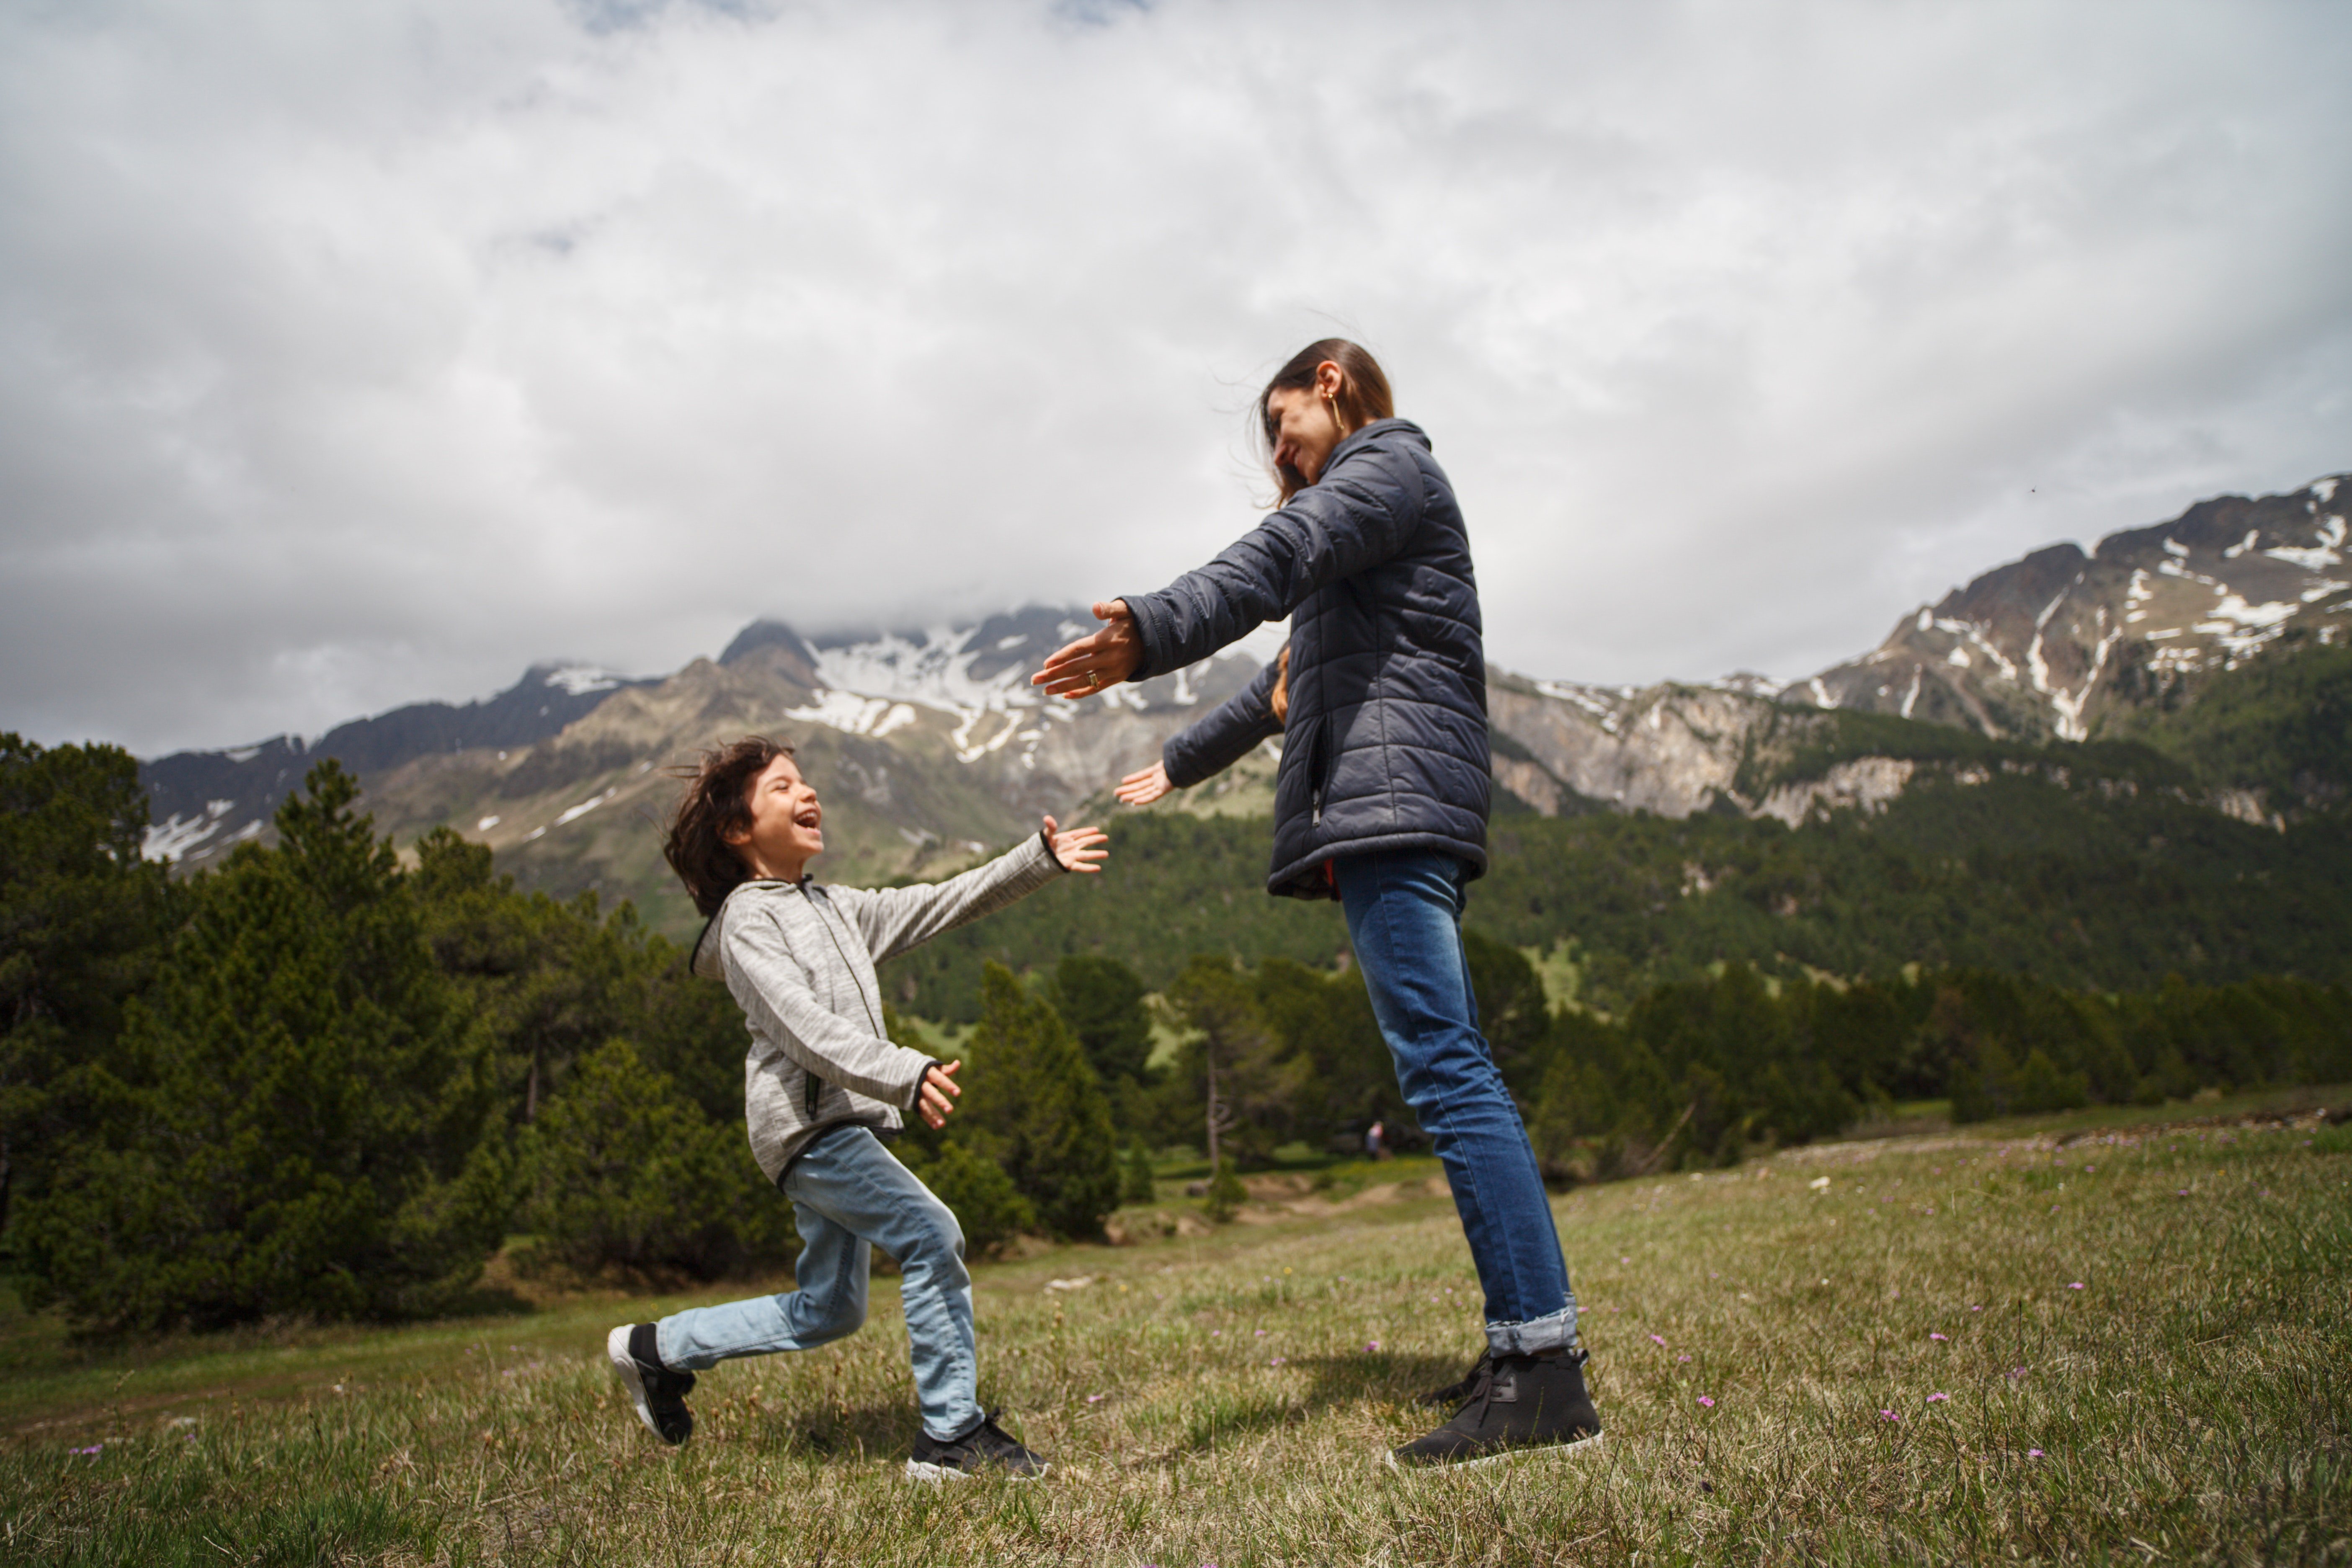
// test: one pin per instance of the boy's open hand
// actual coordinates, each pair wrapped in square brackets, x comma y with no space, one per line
[939,1088]
[1079,849]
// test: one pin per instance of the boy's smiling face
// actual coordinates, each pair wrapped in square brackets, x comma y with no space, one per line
[787,824]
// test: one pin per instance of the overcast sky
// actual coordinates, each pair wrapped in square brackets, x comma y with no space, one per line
[358,353]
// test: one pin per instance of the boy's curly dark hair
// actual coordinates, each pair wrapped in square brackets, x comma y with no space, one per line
[717,801]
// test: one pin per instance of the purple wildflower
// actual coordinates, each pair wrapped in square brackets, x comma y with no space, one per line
[1657,1339]
[1889,1416]
[1945,1337]
[1706,1403]
[2032,1453]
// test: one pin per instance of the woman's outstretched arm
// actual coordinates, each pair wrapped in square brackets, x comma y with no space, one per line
[1363,512]
[1210,747]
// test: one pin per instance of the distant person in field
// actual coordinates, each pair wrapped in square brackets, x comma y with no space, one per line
[1381,802]
[824,1089]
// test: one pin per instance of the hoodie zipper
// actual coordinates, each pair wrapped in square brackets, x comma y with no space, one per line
[816,1084]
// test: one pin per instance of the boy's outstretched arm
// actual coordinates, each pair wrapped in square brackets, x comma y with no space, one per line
[893,920]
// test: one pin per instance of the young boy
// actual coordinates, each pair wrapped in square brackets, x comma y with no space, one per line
[824,1088]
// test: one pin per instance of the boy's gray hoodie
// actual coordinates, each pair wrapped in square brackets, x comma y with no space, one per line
[800,959]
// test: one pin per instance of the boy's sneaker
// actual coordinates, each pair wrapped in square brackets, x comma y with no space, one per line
[1518,1405]
[1453,1394]
[658,1393]
[986,1450]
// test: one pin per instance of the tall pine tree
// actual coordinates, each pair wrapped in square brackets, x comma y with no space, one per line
[298,1124]
[1033,1106]
[82,917]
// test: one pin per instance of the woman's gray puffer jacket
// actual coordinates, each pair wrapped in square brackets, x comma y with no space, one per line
[1386,743]
[800,958]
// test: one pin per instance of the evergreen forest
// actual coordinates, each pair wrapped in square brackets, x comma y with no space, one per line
[331,1078]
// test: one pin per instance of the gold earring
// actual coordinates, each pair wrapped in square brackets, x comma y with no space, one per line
[1333,402]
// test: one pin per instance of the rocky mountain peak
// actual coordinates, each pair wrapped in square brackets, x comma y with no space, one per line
[2060,644]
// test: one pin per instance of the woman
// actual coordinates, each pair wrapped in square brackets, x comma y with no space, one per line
[1380,801]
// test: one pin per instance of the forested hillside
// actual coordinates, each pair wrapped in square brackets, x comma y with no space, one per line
[322,1080]
[2029,861]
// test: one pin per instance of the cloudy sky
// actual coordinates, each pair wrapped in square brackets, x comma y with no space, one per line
[357,353]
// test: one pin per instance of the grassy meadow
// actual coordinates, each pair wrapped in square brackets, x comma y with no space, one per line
[2085,1339]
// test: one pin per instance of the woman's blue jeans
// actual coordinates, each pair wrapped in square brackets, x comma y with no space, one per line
[1404,917]
[848,1197]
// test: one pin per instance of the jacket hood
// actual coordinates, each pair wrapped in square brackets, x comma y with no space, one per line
[705,962]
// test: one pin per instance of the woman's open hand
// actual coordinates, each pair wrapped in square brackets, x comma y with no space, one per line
[1079,849]
[1088,665]
[1143,788]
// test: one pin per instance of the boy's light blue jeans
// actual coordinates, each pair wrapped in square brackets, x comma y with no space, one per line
[1404,917]
[849,1197]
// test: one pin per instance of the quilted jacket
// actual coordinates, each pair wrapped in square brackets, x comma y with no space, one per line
[1386,743]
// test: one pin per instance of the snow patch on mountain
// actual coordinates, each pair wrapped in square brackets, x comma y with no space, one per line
[931,666]
[855,715]
[170,839]
[2326,553]
[580,679]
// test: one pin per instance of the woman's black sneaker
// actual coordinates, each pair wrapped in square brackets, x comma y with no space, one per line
[987,1449]
[658,1393]
[1518,1405]
[1453,1394]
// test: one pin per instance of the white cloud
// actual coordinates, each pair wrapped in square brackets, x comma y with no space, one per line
[355,354]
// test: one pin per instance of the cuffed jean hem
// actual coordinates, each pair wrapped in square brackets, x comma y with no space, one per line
[1555,1331]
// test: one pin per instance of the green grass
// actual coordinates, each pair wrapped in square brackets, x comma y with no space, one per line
[1221,1399]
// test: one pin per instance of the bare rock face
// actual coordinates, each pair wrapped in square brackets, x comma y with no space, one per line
[1669,750]
[2052,646]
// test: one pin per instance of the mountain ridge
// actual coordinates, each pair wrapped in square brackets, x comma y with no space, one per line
[931,745]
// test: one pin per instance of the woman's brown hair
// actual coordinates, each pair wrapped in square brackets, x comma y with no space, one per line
[1363,396]
[717,801]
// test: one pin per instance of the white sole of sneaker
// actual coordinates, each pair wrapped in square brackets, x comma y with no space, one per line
[932,1475]
[616,1345]
[1579,1448]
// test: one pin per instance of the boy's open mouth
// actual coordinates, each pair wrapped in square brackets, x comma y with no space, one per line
[807,817]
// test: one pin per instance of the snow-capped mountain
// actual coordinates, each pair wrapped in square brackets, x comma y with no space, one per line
[929,743]
[2059,643]
[200,804]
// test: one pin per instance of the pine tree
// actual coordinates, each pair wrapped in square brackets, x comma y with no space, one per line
[1033,1105]
[1138,1183]
[82,917]
[625,1171]
[299,1127]
[1102,1001]
[1248,1087]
